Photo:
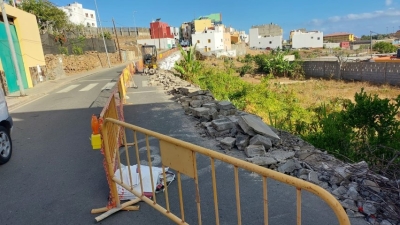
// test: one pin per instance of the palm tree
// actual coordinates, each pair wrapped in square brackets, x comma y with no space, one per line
[188,66]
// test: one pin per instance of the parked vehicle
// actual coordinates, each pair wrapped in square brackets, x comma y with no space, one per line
[6,126]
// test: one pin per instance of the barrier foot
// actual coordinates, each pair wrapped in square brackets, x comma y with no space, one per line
[105,209]
[124,206]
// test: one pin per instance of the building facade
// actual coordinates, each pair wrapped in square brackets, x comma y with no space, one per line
[201,25]
[263,42]
[271,29]
[176,32]
[80,16]
[28,48]
[216,18]
[211,39]
[160,29]
[339,37]
[311,39]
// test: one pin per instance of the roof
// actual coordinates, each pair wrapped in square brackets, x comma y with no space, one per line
[337,34]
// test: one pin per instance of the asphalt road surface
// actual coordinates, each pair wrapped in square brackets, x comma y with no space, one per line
[54,177]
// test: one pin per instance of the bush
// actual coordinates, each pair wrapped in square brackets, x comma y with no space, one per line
[384,47]
[63,50]
[365,130]
[247,68]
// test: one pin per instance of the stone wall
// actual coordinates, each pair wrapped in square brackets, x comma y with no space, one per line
[240,49]
[60,65]
[375,72]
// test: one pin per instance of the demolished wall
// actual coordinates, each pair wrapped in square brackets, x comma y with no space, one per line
[361,192]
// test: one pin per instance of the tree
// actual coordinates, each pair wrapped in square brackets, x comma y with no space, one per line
[188,66]
[47,14]
[384,47]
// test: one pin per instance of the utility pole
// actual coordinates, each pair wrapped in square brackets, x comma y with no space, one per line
[116,36]
[12,48]
[102,33]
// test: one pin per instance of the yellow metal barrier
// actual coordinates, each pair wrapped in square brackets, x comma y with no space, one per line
[181,157]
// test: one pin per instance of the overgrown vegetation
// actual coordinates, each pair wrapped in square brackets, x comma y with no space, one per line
[384,47]
[364,129]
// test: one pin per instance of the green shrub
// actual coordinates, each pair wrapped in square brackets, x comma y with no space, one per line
[77,50]
[63,50]
[384,47]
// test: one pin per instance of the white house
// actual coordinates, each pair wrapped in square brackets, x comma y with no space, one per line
[257,41]
[310,39]
[210,40]
[78,15]
[176,32]
[244,37]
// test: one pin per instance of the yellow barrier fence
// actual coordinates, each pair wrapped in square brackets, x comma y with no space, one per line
[182,157]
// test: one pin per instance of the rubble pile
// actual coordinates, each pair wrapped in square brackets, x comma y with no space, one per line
[361,192]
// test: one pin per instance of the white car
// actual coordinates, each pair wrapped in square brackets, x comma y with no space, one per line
[6,126]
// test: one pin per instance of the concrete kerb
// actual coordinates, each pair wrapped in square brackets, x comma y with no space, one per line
[14,101]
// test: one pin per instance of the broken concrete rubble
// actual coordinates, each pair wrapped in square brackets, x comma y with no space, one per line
[361,192]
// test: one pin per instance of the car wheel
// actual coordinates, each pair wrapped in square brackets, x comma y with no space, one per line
[5,145]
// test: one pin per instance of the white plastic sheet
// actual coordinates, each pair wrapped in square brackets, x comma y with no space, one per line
[169,62]
[124,194]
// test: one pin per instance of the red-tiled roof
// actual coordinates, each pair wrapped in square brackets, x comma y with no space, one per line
[337,34]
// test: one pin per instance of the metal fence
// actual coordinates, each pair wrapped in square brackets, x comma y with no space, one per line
[50,46]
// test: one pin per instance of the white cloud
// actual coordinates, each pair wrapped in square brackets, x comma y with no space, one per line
[360,16]
[388,2]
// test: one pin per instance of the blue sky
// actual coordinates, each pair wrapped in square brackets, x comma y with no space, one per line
[354,16]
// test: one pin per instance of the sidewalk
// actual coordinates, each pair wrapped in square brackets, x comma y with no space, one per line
[14,99]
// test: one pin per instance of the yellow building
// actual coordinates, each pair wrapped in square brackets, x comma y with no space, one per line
[201,25]
[339,37]
[235,37]
[227,41]
[26,37]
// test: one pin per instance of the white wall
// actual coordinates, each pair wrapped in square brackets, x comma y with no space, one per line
[307,40]
[175,31]
[331,45]
[77,15]
[212,39]
[257,41]
[166,43]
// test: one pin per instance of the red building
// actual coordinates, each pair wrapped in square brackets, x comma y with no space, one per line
[160,29]
[345,44]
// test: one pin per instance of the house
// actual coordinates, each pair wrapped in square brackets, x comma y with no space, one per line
[216,18]
[271,30]
[339,37]
[160,29]
[28,48]
[175,31]
[263,42]
[80,16]
[212,39]
[243,36]
[202,25]
[310,39]
[186,31]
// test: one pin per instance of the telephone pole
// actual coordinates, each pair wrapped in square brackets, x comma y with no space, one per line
[12,49]
[116,36]
[102,33]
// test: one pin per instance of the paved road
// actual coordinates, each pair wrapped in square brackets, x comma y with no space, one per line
[55,177]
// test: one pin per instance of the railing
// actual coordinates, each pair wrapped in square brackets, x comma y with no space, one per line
[181,157]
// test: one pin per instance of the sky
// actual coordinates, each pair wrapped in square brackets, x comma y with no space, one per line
[354,16]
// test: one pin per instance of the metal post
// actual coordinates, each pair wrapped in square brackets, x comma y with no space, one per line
[370,44]
[12,49]
[102,34]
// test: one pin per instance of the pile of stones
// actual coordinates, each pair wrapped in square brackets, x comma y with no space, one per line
[361,192]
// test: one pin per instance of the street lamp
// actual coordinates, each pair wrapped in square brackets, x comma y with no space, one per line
[104,40]
[159,36]
[136,33]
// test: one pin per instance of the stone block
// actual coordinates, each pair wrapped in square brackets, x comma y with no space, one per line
[223,133]
[192,92]
[281,156]
[349,204]
[213,113]
[200,112]
[339,191]
[210,105]
[228,143]
[262,161]
[288,167]
[254,125]
[254,151]
[225,105]
[313,177]
[222,124]
[261,140]
[196,103]
[242,141]
[211,131]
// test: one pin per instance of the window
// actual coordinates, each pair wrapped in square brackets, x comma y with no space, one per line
[312,37]
[270,42]
[92,24]
[209,49]
[198,41]
[91,15]
[86,14]
[209,40]
[318,38]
